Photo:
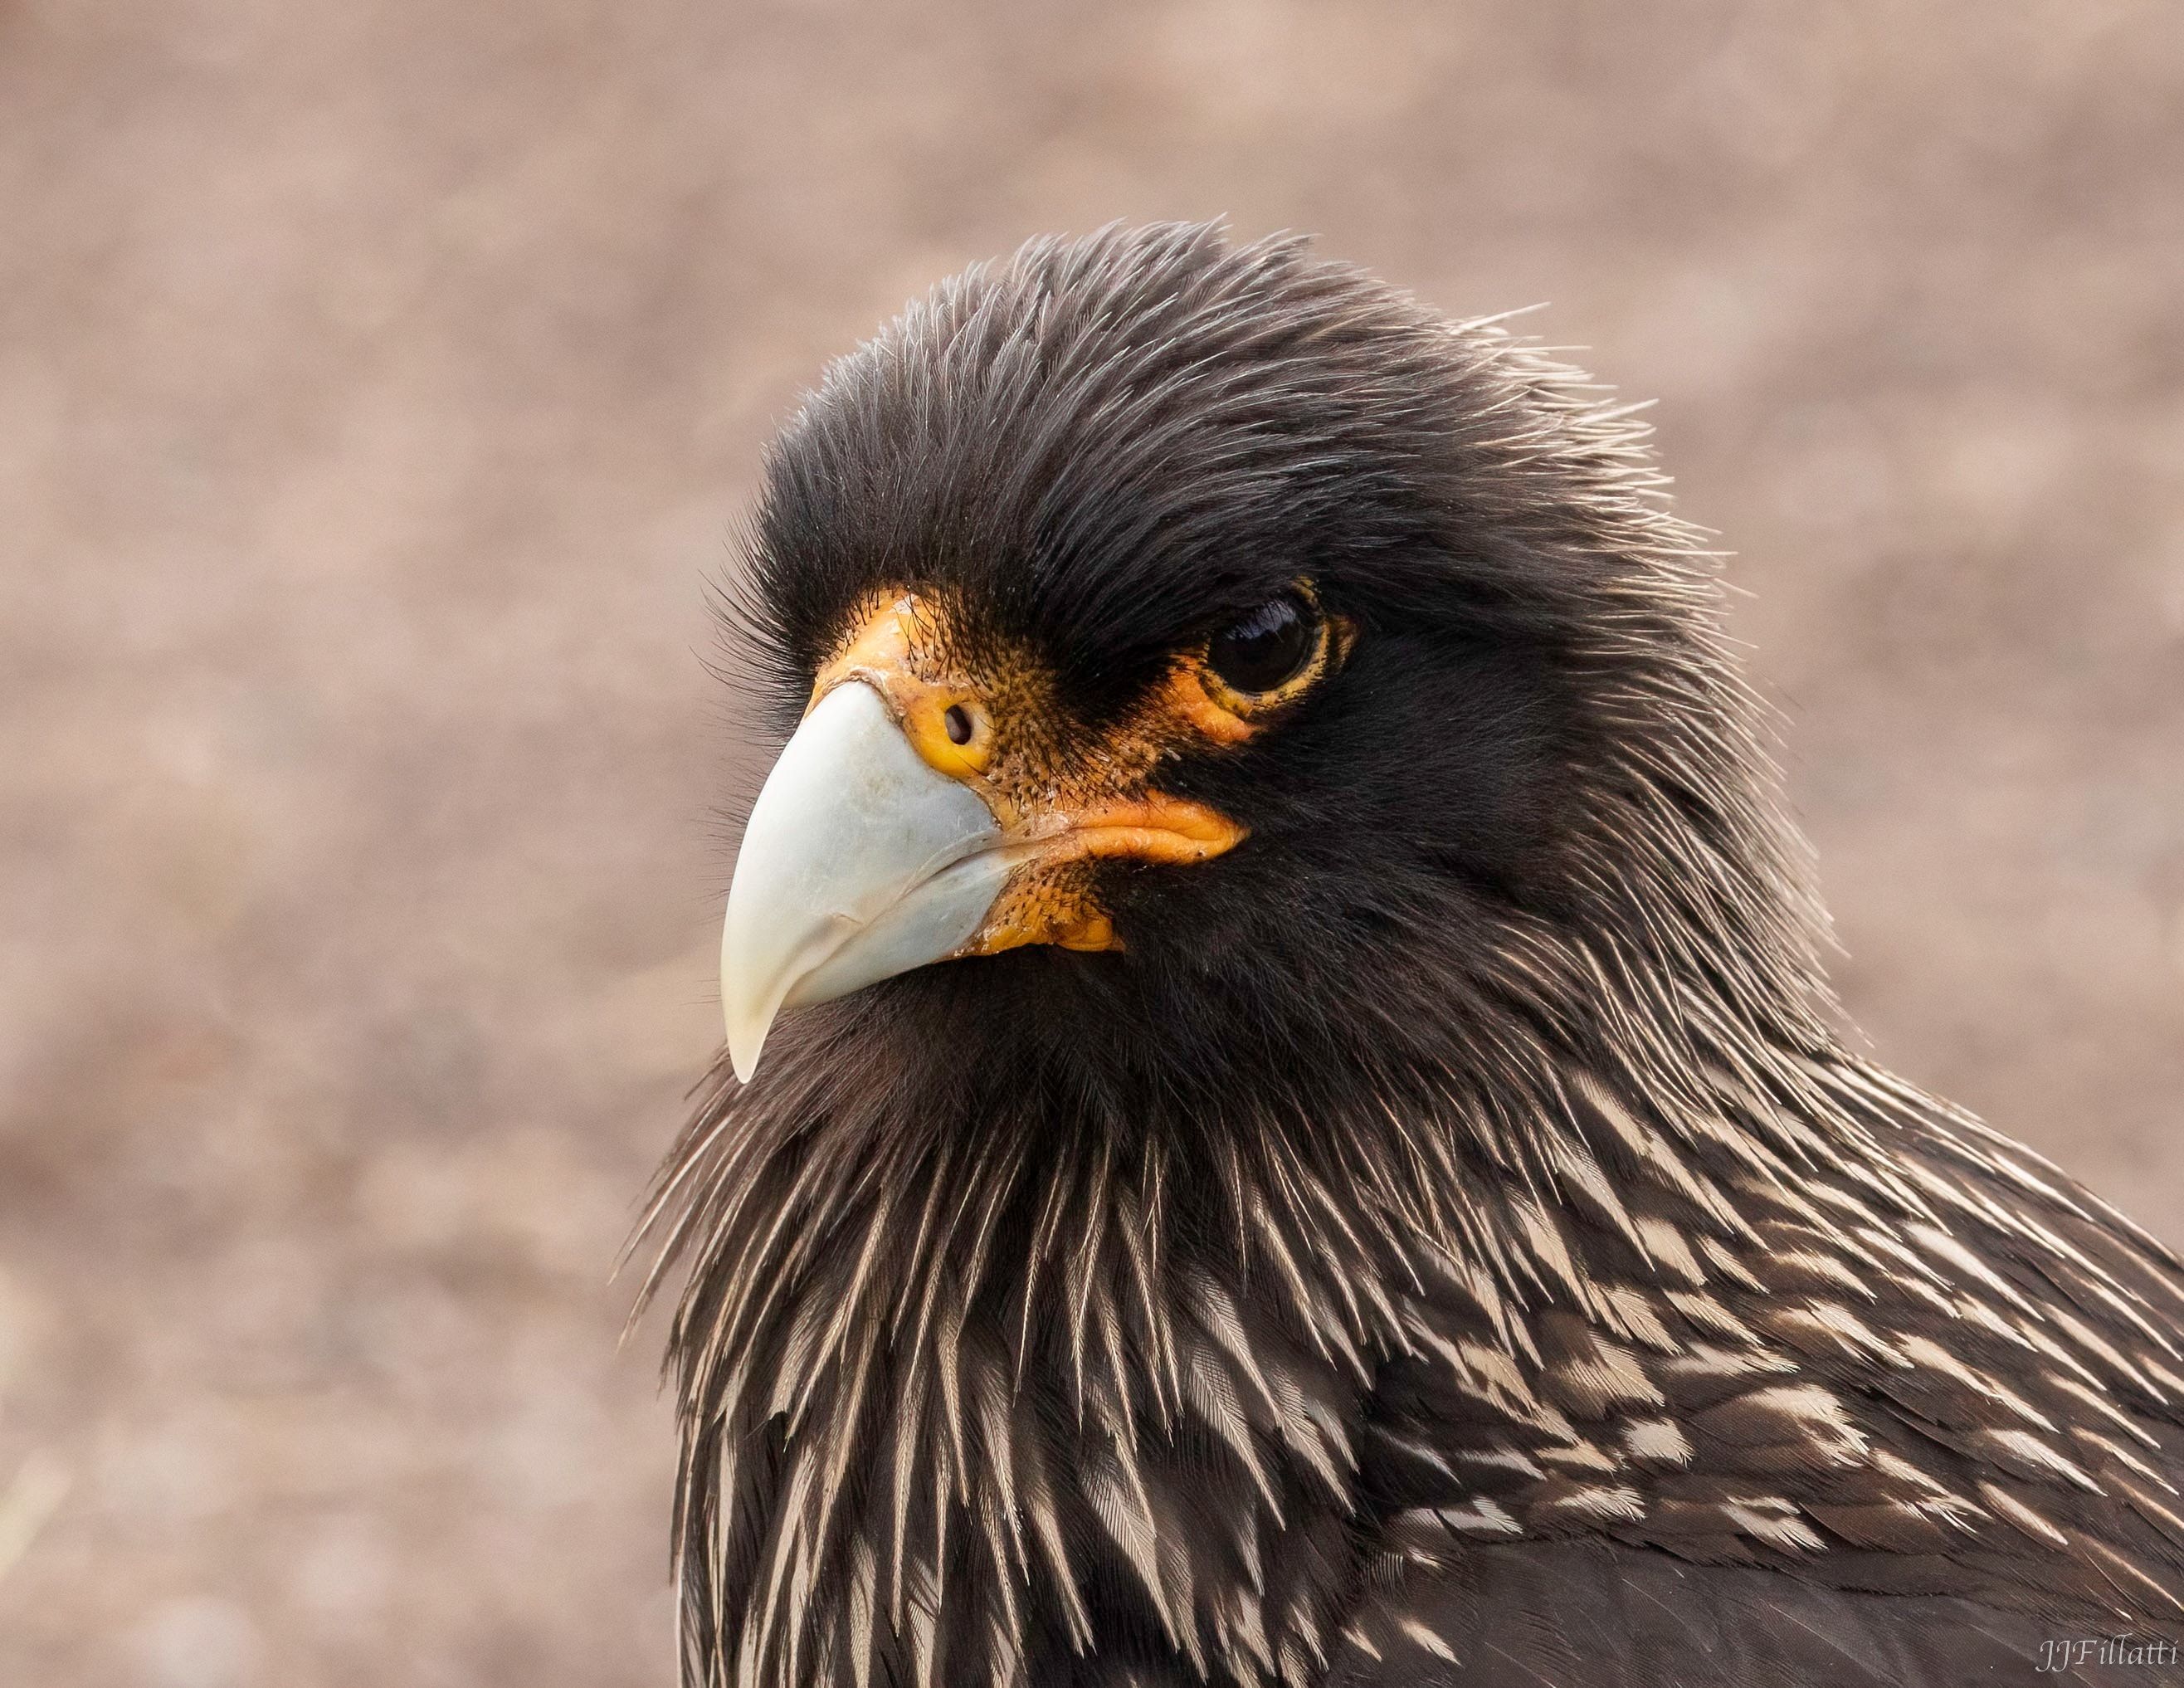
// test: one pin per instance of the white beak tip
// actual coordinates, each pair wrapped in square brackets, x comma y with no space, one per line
[860,860]
[745,1040]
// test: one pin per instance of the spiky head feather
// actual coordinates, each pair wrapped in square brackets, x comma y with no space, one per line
[1466,1162]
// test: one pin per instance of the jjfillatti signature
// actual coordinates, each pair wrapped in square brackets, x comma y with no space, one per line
[2105,1650]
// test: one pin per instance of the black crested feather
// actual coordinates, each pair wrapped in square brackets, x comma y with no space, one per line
[1461,1175]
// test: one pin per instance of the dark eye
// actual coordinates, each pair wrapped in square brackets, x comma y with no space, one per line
[1268,647]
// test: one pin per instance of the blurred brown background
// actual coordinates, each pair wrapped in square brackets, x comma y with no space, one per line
[378,385]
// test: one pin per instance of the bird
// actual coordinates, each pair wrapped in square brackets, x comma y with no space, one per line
[1282,1122]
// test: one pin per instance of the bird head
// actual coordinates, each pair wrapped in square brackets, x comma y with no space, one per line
[1206,663]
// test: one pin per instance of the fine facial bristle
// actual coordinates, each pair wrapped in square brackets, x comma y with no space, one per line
[1451,1214]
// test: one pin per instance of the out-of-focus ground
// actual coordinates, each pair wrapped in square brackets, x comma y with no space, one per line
[378,385]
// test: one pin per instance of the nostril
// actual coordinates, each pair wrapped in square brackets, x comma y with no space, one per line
[957,721]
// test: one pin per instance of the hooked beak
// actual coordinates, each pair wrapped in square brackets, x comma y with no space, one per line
[882,840]
[861,861]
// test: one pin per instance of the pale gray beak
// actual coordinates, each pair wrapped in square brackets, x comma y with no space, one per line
[861,861]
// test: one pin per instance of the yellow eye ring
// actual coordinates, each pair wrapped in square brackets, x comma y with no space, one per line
[1289,638]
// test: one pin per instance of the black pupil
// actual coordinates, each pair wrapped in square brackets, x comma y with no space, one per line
[957,721]
[1269,647]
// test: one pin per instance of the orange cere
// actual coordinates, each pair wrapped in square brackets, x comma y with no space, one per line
[1063,797]
[900,648]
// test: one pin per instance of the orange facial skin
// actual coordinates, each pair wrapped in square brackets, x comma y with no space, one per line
[1063,798]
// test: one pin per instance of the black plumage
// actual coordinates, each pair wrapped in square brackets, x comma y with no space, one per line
[1449,1240]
